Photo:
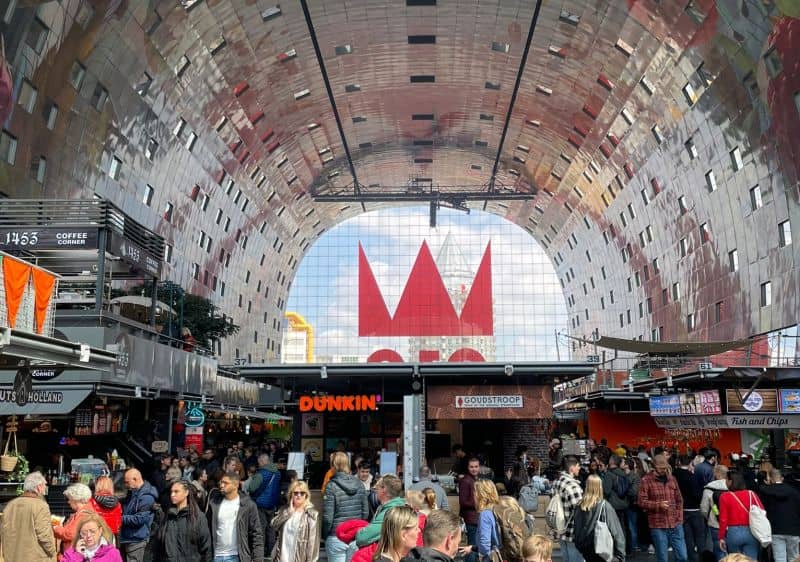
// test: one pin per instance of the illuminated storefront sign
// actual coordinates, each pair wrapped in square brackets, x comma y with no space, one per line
[348,403]
[701,403]
[790,401]
[490,401]
[761,401]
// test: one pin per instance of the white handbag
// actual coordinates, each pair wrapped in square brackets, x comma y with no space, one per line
[758,522]
[603,541]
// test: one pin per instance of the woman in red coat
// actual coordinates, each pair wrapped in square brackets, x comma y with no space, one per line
[106,504]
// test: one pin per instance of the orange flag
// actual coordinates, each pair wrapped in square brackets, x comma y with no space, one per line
[15,276]
[43,284]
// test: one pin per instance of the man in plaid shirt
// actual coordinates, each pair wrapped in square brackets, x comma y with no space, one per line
[569,489]
[660,497]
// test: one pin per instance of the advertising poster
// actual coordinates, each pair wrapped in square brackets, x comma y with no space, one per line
[792,439]
[688,404]
[312,447]
[709,402]
[761,401]
[790,401]
[665,405]
[313,424]
[193,437]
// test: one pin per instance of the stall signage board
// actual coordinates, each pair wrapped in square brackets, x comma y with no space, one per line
[193,437]
[489,402]
[348,403]
[42,400]
[760,401]
[688,404]
[48,238]
[135,255]
[729,421]
[790,400]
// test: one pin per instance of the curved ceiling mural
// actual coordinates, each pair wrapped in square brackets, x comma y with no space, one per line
[650,147]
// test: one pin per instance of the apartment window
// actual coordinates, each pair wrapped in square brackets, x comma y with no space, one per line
[167,253]
[645,197]
[12,5]
[691,149]
[755,198]
[204,201]
[227,224]
[631,211]
[27,96]
[183,64]
[603,271]
[77,74]
[766,294]
[690,322]
[785,233]
[168,208]
[676,291]
[684,247]
[201,241]
[637,278]
[114,167]
[37,36]
[602,303]
[147,198]
[628,315]
[711,181]
[641,310]
[683,205]
[733,261]
[623,220]
[630,285]
[178,129]
[611,296]
[664,297]
[195,271]
[39,169]
[218,217]
[229,185]
[50,115]
[99,97]
[144,84]
[689,94]
[718,312]
[150,148]
[736,159]
[190,140]
[621,320]
[222,289]
[8,147]
[656,265]
[705,233]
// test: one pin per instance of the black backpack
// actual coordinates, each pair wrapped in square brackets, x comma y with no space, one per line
[621,486]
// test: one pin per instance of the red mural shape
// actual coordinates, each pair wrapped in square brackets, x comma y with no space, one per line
[425,307]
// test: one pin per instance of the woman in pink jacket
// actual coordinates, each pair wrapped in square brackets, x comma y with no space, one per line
[93,542]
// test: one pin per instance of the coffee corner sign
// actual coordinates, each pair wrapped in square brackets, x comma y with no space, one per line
[345,403]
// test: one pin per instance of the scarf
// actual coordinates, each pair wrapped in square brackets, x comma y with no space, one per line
[88,553]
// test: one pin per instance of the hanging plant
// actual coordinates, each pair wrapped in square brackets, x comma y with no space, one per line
[21,471]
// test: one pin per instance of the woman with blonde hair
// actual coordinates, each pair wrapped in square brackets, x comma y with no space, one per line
[344,499]
[591,509]
[399,534]
[537,548]
[297,527]
[106,504]
[93,542]
[430,501]
[487,538]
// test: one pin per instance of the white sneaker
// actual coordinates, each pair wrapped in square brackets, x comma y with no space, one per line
[651,549]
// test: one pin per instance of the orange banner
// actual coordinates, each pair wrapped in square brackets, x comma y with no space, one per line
[43,284]
[15,276]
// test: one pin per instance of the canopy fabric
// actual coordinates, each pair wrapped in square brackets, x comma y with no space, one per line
[687,349]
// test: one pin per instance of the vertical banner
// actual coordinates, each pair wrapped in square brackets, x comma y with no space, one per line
[194,438]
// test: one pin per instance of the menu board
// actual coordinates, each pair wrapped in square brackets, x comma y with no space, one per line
[790,401]
[761,401]
[709,402]
[687,404]
[665,405]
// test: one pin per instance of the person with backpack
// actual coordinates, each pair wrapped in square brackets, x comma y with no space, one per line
[709,505]
[265,489]
[632,467]
[593,508]
[514,528]
[615,486]
[567,495]
[734,517]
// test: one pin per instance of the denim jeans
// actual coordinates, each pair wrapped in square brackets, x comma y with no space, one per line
[718,553]
[739,539]
[633,523]
[472,531]
[569,552]
[694,531]
[664,538]
[785,548]
[226,559]
[335,549]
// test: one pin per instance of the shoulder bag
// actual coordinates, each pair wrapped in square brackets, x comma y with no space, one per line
[603,541]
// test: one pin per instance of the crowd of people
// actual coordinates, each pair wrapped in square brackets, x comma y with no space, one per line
[248,509]
[692,505]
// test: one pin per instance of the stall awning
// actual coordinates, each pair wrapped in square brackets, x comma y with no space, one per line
[687,349]
[247,412]
[43,399]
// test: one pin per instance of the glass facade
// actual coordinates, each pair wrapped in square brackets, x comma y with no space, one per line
[386,286]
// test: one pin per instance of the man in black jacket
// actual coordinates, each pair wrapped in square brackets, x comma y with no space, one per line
[694,526]
[236,533]
[782,503]
[441,538]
